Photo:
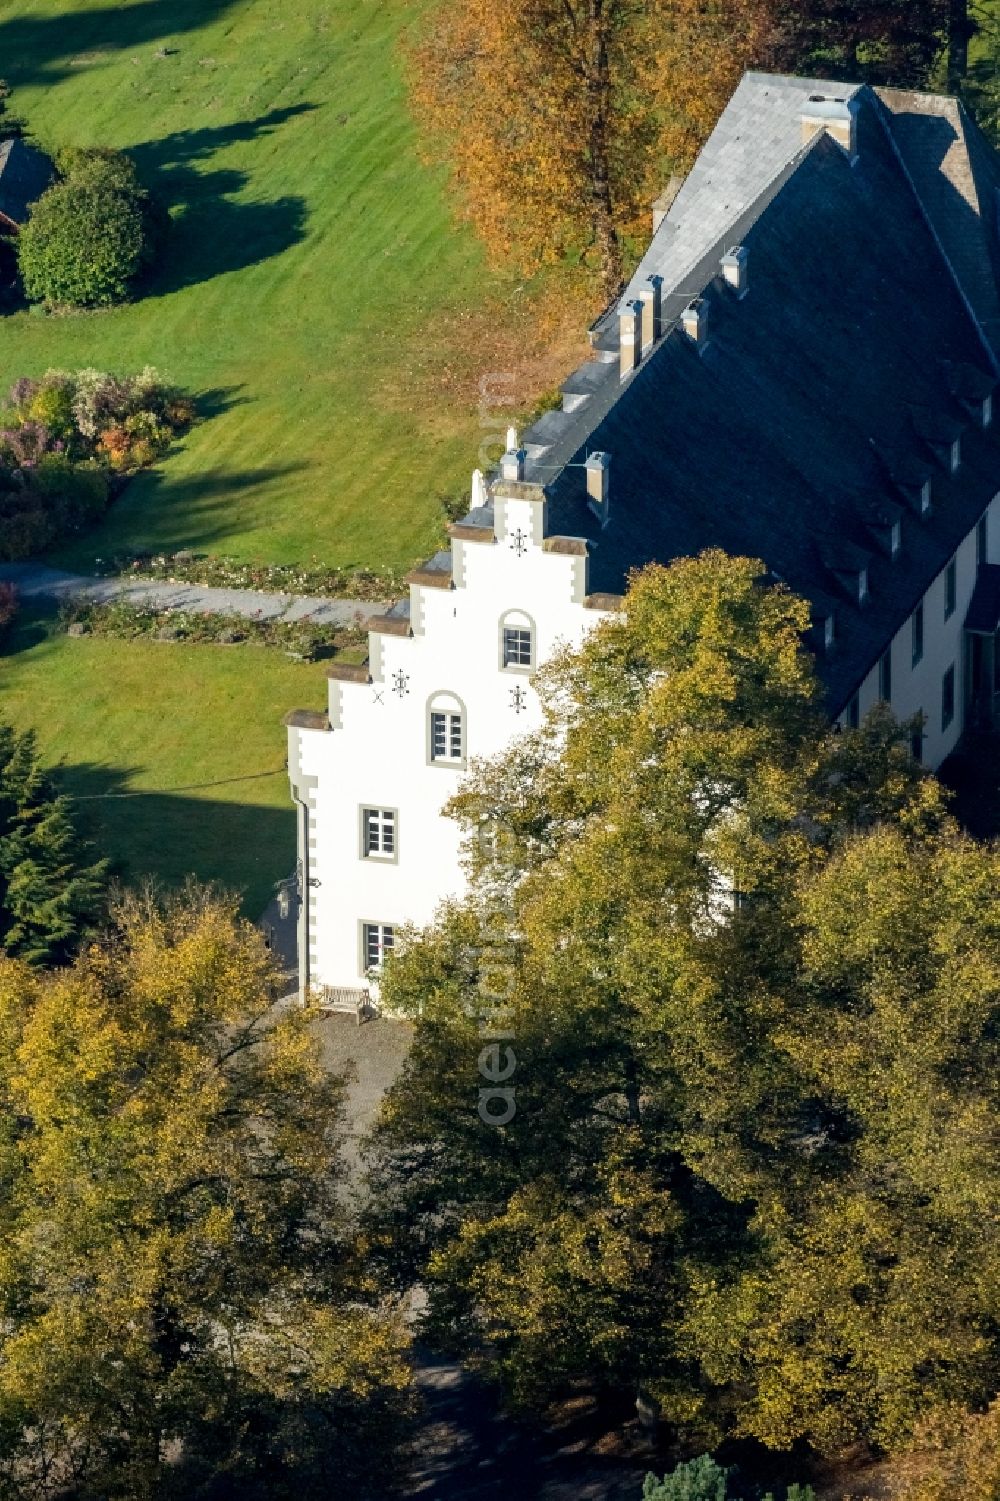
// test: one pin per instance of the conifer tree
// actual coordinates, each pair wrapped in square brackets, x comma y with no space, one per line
[51,892]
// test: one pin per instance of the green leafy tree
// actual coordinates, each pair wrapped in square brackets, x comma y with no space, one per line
[183,1314]
[596,1089]
[51,893]
[90,236]
[871,1301]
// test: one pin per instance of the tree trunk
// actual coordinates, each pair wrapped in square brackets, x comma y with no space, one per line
[599,121]
[958,44]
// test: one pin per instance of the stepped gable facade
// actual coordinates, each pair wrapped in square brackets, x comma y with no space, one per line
[802,370]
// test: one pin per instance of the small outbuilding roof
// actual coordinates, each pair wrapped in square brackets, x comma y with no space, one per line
[25,173]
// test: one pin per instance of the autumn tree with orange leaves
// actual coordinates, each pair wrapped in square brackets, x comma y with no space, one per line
[562,119]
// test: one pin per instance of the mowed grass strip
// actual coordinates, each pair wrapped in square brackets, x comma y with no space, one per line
[185,730]
[312,259]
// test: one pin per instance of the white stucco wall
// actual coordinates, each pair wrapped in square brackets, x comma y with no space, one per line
[918,688]
[376,753]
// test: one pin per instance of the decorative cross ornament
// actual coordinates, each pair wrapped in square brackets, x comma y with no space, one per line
[400,683]
[518,699]
[519,542]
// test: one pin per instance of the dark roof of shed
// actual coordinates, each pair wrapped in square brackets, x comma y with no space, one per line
[25,173]
[812,391]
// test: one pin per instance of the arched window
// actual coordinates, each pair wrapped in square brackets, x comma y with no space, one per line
[446,730]
[518,641]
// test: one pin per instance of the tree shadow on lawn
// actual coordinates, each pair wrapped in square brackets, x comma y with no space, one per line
[43,49]
[209,232]
[180,832]
[162,514]
[158,512]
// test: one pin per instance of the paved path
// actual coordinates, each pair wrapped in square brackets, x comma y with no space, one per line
[35,581]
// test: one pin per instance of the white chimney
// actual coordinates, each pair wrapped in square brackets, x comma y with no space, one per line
[735,270]
[651,298]
[629,337]
[598,467]
[513,461]
[695,323]
[837,116]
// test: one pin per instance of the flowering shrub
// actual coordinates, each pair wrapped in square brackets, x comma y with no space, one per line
[123,620]
[67,439]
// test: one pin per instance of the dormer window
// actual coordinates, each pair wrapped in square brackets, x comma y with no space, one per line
[862,586]
[925,498]
[955,457]
[896,538]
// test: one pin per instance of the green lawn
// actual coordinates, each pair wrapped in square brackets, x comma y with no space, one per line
[314,280]
[172,724]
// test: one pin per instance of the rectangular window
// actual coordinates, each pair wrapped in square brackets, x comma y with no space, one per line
[896,538]
[378,833]
[987,411]
[956,455]
[862,586]
[885,676]
[376,942]
[853,713]
[948,697]
[917,632]
[982,537]
[516,646]
[950,589]
[446,735]
[917,739]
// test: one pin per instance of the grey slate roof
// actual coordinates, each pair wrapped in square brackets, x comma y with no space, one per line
[25,173]
[828,395]
[957,179]
[757,136]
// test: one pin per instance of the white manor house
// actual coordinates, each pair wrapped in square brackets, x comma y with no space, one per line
[802,370]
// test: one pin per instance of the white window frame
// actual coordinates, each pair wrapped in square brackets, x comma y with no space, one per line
[451,707]
[917,636]
[366,928]
[382,820]
[517,620]
[949,673]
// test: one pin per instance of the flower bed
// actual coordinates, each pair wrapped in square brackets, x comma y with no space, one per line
[68,442]
[303,640]
[313,579]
